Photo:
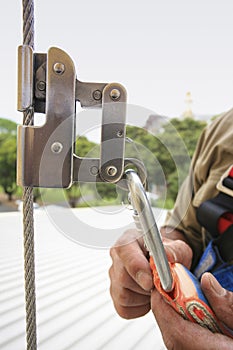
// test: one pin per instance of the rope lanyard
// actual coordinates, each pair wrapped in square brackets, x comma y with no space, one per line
[29,259]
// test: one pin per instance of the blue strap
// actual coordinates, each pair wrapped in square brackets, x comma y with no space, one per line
[207,261]
[224,275]
[211,261]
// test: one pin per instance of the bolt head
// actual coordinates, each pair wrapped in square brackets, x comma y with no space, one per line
[59,68]
[115,94]
[111,170]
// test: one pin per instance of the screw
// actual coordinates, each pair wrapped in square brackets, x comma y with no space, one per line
[115,94]
[56,147]
[59,68]
[41,85]
[97,95]
[111,170]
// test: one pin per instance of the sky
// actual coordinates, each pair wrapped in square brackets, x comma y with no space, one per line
[158,49]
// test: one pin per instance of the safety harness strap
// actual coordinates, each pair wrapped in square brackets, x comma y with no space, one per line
[216,216]
[217,255]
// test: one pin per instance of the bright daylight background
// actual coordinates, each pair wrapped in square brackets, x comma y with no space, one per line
[159,50]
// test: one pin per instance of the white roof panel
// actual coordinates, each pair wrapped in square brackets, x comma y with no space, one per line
[74,307]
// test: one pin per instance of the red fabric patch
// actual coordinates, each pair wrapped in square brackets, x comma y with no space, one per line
[200,314]
[231,172]
[225,221]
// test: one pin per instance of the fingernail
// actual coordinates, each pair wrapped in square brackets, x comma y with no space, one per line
[216,286]
[144,279]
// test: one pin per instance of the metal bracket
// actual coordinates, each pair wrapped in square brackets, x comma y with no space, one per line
[46,154]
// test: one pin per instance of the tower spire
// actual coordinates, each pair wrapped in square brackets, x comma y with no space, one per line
[188,113]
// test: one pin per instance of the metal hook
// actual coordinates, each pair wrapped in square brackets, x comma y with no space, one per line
[149,227]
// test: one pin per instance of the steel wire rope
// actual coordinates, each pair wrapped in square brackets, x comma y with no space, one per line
[28,219]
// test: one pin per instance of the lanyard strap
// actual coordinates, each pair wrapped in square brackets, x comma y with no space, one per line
[216,214]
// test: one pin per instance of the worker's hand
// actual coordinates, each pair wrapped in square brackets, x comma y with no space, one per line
[130,273]
[220,299]
[180,334]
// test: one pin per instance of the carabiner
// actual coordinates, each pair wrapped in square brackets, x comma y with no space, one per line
[151,234]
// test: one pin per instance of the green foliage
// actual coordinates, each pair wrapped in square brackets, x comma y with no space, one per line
[180,137]
[188,130]
[7,127]
[167,154]
[84,148]
[8,156]
[93,193]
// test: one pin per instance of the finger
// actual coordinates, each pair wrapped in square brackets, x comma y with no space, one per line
[178,251]
[178,334]
[120,277]
[128,303]
[127,298]
[220,299]
[132,312]
[134,260]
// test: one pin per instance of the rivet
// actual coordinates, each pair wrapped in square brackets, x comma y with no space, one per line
[41,85]
[59,68]
[57,147]
[97,95]
[115,94]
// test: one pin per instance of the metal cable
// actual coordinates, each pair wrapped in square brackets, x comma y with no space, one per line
[28,221]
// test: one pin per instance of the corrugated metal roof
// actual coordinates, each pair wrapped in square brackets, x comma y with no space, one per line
[74,307]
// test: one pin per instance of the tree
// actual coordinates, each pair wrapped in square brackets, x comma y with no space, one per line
[8,165]
[98,193]
[180,136]
[8,156]
[167,154]
[7,127]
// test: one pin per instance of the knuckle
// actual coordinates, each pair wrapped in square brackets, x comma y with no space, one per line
[112,252]
[111,272]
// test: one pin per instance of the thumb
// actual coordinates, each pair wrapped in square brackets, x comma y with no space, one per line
[220,299]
